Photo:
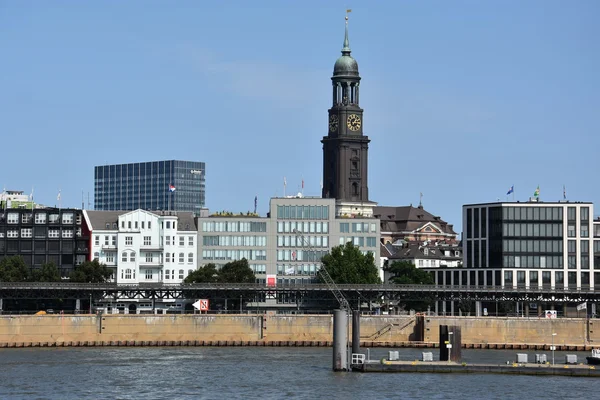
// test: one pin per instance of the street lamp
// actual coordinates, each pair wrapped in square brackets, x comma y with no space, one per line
[553,348]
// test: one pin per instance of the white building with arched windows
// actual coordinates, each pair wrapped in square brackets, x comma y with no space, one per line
[144,247]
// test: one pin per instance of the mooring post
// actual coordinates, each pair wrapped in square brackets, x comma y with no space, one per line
[340,340]
[355,332]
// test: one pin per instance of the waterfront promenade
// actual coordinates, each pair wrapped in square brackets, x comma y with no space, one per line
[290,330]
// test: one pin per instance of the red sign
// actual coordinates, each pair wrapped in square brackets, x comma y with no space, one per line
[203,304]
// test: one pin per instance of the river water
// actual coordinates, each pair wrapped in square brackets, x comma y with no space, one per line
[259,372]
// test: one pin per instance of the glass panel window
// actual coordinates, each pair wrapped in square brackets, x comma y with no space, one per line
[40,218]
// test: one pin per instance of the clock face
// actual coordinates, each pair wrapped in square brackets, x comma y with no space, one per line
[333,123]
[353,122]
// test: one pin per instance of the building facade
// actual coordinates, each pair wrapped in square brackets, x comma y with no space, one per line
[408,224]
[143,247]
[345,148]
[286,246]
[155,186]
[44,235]
[530,244]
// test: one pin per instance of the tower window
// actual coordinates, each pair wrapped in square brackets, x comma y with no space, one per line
[355,189]
[354,164]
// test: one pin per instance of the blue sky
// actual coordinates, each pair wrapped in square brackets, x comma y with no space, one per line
[462,99]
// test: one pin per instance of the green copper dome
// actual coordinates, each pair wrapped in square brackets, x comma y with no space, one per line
[346,65]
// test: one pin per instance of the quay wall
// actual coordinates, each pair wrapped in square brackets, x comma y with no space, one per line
[288,330]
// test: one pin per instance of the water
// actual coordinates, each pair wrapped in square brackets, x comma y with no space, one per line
[257,372]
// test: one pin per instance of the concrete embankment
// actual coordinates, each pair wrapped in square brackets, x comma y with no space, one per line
[289,330]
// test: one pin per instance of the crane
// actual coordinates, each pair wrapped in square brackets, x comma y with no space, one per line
[344,305]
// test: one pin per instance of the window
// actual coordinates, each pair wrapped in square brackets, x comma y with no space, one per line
[584,214]
[149,274]
[143,225]
[110,257]
[124,256]
[128,240]
[168,240]
[67,218]
[167,274]
[132,257]
[168,224]
[136,225]
[26,232]
[149,257]
[149,224]
[147,240]
[181,258]
[190,240]
[53,233]
[12,218]
[128,273]
[181,274]
[67,233]
[571,230]
[585,232]
[40,218]
[128,224]
[114,240]
[181,241]
[190,258]
[97,240]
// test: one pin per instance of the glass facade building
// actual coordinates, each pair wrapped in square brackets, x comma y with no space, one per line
[146,186]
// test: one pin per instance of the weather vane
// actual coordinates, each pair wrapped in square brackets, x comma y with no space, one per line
[348,10]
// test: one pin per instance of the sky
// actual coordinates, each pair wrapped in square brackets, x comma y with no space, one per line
[462,99]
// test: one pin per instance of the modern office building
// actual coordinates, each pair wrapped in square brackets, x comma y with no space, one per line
[275,251]
[529,244]
[44,235]
[155,186]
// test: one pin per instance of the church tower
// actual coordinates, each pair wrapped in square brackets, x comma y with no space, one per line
[346,148]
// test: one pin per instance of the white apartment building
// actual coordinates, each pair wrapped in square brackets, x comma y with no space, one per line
[144,247]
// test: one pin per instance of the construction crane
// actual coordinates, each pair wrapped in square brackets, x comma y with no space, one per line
[344,305]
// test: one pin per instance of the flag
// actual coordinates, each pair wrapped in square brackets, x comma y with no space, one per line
[564,193]
[349,10]
[537,192]
[255,202]
[284,182]
[31,195]
[58,197]
[511,190]
[171,188]
[302,183]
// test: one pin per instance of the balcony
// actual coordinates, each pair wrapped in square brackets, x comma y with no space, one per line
[109,247]
[155,247]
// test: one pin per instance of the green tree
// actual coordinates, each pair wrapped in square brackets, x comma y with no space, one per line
[205,274]
[237,272]
[346,264]
[406,273]
[13,269]
[48,273]
[91,272]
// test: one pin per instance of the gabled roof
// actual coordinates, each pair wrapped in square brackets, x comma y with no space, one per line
[409,219]
[417,251]
[99,219]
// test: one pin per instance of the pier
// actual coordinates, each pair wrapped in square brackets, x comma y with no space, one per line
[439,367]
